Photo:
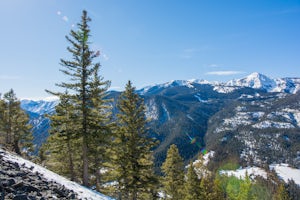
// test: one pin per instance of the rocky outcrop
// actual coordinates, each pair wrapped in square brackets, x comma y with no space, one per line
[19,183]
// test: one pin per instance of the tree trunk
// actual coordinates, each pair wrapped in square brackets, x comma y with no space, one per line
[16,147]
[85,178]
[71,165]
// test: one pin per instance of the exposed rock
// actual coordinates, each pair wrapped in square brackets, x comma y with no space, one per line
[20,183]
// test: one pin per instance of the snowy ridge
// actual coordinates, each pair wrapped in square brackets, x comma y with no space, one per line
[82,192]
[39,107]
[173,83]
[254,80]
[260,81]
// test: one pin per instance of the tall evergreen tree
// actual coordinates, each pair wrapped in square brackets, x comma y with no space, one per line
[100,126]
[173,174]
[281,193]
[245,189]
[84,89]
[133,160]
[15,124]
[192,191]
[63,138]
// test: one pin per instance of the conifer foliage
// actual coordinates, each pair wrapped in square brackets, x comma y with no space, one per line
[15,131]
[63,140]
[132,160]
[86,91]
[173,170]
[192,183]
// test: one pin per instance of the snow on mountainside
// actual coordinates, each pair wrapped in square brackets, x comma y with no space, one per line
[254,80]
[282,170]
[158,87]
[82,192]
[260,81]
[39,107]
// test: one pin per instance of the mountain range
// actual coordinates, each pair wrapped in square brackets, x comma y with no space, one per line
[255,120]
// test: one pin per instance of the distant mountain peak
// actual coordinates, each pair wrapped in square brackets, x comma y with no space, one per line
[254,80]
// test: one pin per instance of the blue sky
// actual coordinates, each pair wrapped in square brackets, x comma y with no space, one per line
[149,41]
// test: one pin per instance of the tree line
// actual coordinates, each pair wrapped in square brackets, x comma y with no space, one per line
[15,131]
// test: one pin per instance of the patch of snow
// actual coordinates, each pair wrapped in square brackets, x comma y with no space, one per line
[166,111]
[189,116]
[241,118]
[241,173]
[285,172]
[246,96]
[295,113]
[258,115]
[271,124]
[83,192]
[224,89]
[151,110]
[240,108]
[199,98]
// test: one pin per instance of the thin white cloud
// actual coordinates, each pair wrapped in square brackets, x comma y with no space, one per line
[224,73]
[58,12]
[7,77]
[188,53]
[213,65]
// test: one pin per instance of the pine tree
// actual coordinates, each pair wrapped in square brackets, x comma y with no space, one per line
[84,89]
[15,124]
[63,138]
[206,187]
[2,121]
[281,193]
[191,186]
[245,189]
[218,193]
[133,159]
[100,124]
[293,189]
[173,174]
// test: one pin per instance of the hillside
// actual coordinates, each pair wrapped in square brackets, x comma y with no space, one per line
[243,115]
[22,179]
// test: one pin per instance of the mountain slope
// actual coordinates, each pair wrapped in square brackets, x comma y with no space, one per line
[184,112]
[263,129]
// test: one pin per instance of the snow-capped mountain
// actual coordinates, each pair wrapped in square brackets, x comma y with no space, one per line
[209,112]
[40,107]
[260,81]
[254,80]
[159,87]
[37,111]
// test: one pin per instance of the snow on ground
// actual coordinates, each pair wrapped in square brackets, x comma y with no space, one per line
[83,192]
[223,89]
[206,158]
[285,172]
[241,173]
[272,124]
[197,96]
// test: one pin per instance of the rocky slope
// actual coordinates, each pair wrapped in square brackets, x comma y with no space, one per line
[23,180]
